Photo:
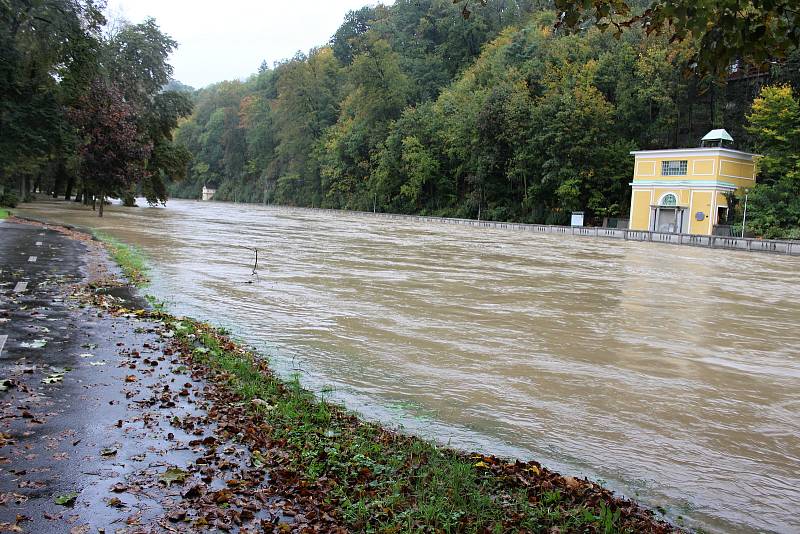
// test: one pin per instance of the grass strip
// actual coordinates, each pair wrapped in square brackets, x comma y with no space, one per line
[129,258]
[4,214]
[382,481]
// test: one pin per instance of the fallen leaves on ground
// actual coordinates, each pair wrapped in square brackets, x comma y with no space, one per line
[54,377]
[115,502]
[35,344]
[66,499]
[173,475]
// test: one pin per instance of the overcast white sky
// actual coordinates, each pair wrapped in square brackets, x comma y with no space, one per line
[227,39]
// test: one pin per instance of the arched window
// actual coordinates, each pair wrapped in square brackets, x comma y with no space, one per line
[669,200]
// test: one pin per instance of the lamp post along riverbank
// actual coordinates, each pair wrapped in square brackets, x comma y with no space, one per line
[744,215]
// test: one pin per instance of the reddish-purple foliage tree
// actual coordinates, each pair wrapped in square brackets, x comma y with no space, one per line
[114,151]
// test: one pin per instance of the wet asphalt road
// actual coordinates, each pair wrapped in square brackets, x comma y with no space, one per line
[83,409]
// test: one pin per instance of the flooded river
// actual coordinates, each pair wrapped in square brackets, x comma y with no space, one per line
[671,373]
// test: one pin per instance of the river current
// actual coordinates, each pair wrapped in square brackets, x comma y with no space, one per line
[670,373]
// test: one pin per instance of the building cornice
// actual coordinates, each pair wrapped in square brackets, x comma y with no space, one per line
[685,184]
[708,151]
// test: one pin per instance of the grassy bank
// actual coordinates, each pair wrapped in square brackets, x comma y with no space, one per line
[381,481]
[4,213]
[129,258]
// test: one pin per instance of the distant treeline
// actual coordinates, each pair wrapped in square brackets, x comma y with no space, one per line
[413,109]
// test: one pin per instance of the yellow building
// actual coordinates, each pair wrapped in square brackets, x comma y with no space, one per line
[683,190]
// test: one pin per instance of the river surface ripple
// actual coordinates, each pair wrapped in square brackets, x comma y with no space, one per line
[671,373]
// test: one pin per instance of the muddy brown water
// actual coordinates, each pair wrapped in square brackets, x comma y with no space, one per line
[671,373]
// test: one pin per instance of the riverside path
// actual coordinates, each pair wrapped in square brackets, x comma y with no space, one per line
[97,419]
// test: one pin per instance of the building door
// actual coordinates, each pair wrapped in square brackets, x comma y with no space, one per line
[667,220]
[667,216]
[722,215]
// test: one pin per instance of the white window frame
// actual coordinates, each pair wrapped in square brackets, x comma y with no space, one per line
[668,167]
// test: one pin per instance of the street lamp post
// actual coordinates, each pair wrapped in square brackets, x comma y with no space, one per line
[744,215]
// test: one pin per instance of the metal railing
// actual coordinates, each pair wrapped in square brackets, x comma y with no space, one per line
[788,247]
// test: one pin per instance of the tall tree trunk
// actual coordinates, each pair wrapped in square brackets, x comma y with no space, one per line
[60,180]
[94,202]
[102,202]
[70,185]
[713,107]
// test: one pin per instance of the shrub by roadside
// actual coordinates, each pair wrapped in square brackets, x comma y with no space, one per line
[8,200]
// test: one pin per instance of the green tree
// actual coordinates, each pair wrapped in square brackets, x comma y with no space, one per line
[422,169]
[114,150]
[306,104]
[754,31]
[256,118]
[774,122]
[136,59]
[377,92]
[49,57]
[408,171]
[345,43]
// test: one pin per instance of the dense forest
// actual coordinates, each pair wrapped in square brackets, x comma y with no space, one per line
[414,108]
[84,105]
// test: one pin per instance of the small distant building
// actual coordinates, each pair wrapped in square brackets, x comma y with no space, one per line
[683,190]
[208,194]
